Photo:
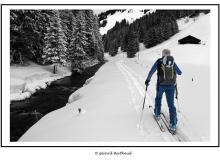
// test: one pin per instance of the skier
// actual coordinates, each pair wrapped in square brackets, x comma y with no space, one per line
[166,82]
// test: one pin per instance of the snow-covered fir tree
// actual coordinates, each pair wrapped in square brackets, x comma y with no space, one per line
[79,43]
[67,22]
[55,41]
[175,28]
[99,47]
[95,48]
[133,44]
[113,49]
[90,49]
[71,37]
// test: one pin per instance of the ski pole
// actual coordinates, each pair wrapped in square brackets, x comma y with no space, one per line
[143,107]
[176,91]
[178,109]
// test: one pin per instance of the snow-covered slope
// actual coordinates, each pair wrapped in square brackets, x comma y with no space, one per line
[130,15]
[111,103]
[194,84]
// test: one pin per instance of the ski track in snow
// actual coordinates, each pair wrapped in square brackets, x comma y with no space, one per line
[134,81]
[185,127]
[137,92]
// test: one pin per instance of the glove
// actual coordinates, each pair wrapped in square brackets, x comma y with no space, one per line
[147,83]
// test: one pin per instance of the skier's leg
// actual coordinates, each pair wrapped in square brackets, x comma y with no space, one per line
[170,101]
[158,99]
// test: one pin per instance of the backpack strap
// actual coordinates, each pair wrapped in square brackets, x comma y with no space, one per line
[163,70]
[172,72]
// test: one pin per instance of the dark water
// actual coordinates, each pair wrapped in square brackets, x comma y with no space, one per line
[24,114]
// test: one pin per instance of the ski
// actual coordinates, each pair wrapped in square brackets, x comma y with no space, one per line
[165,121]
[160,124]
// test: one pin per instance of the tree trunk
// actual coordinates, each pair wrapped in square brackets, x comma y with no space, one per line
[21,58]
[54,68]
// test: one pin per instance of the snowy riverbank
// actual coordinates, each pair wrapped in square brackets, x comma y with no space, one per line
[26,80]
[25,113]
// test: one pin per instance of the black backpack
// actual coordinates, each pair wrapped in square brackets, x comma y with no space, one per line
[165,71]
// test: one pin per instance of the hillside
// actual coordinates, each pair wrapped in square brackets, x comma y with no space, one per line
[130,15]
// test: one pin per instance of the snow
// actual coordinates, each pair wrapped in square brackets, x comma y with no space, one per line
[98,11]
[130,15]
[26,80]
[112,100]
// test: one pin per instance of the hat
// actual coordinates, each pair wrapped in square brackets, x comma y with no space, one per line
[166,52]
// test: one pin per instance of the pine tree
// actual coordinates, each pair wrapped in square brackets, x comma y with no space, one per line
[27,29]
[104,40]
[71,38]
[124,41]
[16,38]
[175,28]
[167,30]
[149,38]
[133,44]
[159,34]
[99,48]
[78,45]
[156,37]
[68,22]
[113,49]
[141,34]
[89,17]
[54,50]
[123,37]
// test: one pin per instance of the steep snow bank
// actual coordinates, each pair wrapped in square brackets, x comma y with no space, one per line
[107,114]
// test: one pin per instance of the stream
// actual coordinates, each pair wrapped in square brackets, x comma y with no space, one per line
[25,113]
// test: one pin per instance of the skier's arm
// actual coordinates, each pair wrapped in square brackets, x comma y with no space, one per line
[153,69]
[178,71]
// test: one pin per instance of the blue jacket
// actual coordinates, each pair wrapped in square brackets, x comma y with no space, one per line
[154,68]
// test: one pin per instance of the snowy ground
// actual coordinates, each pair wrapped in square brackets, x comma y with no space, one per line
[111,103]
[25,80]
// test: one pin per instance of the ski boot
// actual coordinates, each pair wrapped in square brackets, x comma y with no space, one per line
[172,128]
[157,117]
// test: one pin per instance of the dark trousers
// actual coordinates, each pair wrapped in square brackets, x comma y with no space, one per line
[169,91]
